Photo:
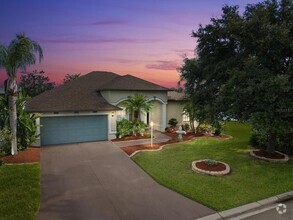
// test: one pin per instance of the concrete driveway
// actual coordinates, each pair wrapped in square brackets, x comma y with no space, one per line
[98,181]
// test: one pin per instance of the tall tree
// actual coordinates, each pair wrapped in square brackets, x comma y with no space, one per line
[35,83]
[20,53]
[244,68]
[70,77]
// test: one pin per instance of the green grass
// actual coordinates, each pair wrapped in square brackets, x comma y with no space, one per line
[19,191]
[249,181]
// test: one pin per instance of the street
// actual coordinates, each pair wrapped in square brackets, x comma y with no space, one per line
[271,213]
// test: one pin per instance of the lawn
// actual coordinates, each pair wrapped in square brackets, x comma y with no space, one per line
[249,181]
[19,191]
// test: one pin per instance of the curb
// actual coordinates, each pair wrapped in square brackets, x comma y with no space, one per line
[249,207]
[29,163]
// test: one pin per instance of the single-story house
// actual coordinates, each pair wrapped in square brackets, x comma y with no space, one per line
[87,108]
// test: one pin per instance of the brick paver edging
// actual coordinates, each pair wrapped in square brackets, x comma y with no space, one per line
[161,147]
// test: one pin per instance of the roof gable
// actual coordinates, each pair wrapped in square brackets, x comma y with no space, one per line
[129,82]
[83,93]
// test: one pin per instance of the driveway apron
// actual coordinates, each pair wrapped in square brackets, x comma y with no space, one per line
[99,181]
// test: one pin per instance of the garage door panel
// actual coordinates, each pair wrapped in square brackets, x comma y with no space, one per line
[73,129]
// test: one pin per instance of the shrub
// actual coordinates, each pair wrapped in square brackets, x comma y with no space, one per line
[26,123]
[204,129]
[6,138]
[139,128]
[124,128]
[210,162]
[148,135]
[173,122]
[258,138]
[217,127]
[170,130]
[186,127]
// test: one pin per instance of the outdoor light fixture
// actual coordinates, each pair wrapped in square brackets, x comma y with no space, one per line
[112,113]
[152,128]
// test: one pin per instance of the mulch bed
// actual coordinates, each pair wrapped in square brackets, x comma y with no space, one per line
[189,136]
[131,149]
[263,153]
[29,155]
[130,138]
[217,167]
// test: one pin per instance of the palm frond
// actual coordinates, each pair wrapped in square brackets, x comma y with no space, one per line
[3,55]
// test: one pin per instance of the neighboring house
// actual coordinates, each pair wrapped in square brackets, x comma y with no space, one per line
[87,108]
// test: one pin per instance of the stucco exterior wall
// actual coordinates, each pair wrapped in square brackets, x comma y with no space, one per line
[175,110]
[114,97]
[157,114]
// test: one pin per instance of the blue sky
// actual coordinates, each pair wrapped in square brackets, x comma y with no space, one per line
[145,38]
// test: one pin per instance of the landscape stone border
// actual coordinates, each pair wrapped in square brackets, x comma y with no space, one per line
[269,159]
[212,173]
[161,147]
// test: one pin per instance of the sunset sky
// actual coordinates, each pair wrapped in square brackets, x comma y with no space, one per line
[147,38]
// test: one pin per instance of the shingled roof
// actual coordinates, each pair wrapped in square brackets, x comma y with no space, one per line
[129,82]
[175,96]
[83,94]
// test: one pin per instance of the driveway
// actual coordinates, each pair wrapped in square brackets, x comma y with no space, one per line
[98,181]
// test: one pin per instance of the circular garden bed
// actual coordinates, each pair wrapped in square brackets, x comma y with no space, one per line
[272,157]
[211,167]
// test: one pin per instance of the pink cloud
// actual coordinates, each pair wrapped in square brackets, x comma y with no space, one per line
[163,65]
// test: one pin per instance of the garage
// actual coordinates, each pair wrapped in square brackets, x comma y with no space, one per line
[73,129]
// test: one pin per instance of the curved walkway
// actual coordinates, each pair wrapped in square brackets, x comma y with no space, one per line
[158,138]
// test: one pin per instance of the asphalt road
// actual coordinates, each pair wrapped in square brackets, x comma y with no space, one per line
[271,213]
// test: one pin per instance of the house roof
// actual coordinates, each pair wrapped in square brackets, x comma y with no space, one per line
[129,82]
[83,94]
[175,96]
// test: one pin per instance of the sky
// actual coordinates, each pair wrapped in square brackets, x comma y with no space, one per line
[148,39]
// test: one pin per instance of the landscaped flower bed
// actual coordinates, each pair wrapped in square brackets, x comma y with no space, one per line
[131,149]
[130,138]
[211,167]
[272,157]
[29,155]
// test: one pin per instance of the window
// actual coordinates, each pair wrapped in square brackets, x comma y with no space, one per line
[185,118]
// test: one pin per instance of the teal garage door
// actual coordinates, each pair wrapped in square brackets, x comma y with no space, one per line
[73,129]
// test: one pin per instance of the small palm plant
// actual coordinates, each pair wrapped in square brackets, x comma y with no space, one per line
[136,104]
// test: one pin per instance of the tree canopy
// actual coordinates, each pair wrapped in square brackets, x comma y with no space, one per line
[70,77]
[35,83]
[244,70]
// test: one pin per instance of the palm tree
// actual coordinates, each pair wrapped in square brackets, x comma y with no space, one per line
[20,53]
[136,104]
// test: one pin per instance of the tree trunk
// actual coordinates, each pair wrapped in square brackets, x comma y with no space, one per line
[272,142]
[12,97]
[136,116]
[191,122]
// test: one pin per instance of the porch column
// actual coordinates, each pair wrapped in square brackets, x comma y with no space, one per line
[164,116]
